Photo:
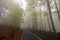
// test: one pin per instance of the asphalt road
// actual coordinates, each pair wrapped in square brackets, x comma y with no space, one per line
[31,35]
[44,37]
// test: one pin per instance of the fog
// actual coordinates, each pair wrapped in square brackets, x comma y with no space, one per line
[31,14]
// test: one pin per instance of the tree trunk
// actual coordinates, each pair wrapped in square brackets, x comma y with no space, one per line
[49,23]
[53,27]
[57,10]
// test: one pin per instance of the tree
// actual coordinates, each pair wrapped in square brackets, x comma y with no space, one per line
[15,14]
[57,10]
[31,7]
[48,4]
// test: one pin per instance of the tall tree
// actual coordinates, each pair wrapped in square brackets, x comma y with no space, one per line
[15,13]
[57,10]
[31,7]
[48,4]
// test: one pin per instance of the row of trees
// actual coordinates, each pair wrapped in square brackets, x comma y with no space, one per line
[44,15]
[10,13]
[39,14]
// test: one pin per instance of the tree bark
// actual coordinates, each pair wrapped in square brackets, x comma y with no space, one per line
[53,27]
[57,10]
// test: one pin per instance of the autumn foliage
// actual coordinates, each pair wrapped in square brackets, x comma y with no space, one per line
[10,33]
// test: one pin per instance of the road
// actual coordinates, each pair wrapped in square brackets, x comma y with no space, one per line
[31,35]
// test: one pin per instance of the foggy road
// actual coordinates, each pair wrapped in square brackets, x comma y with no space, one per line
[27,35]
[31,35]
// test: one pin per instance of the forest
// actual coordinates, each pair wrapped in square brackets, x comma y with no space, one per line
[30,14]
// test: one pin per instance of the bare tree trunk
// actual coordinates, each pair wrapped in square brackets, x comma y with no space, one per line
[0,12]
[53,27]
[57,10]
[41,27]
[49,24]
[34,21]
